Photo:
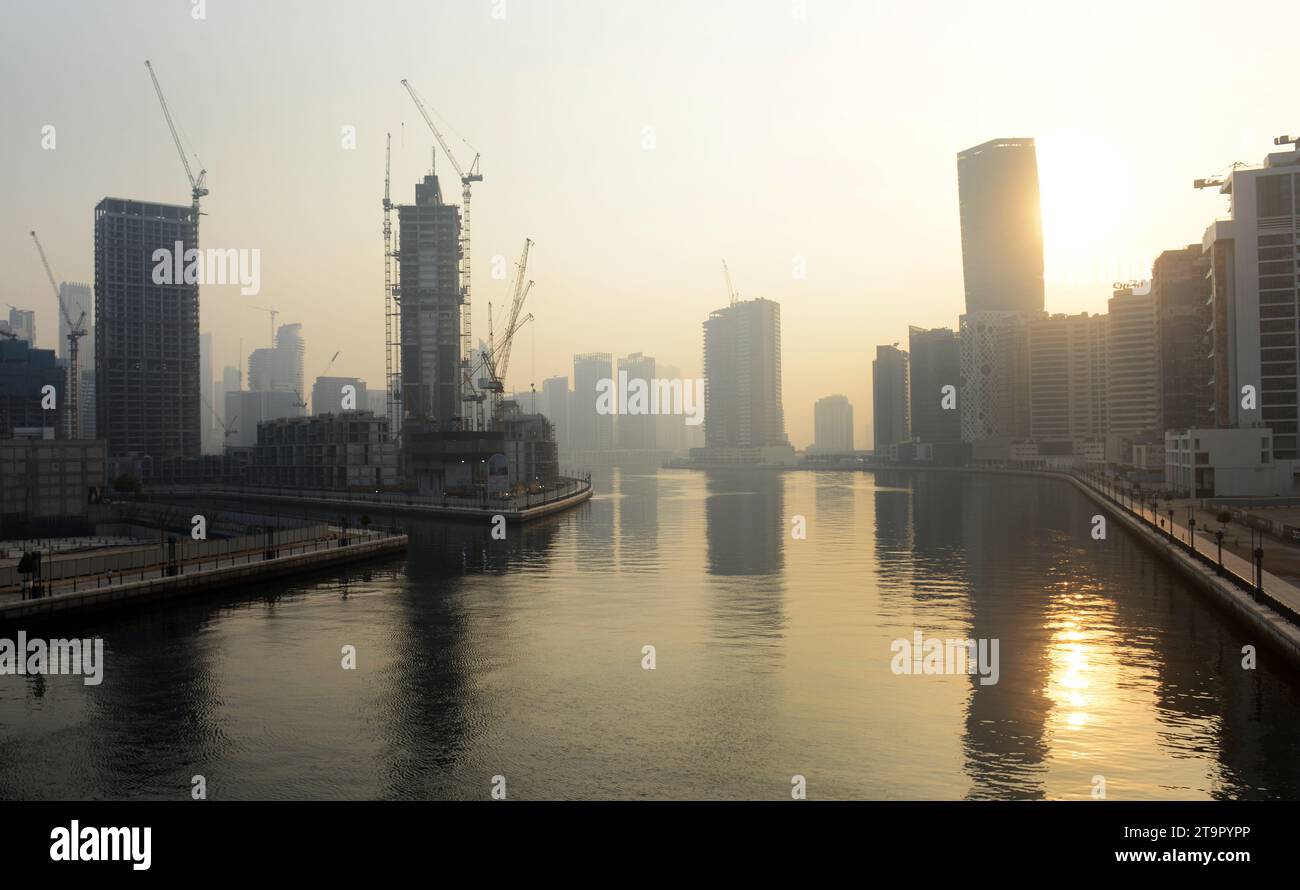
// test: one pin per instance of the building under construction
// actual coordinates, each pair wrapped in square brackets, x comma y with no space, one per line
[146,335]
[430,307]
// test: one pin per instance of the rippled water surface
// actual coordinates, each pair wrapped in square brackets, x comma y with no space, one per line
[523,658]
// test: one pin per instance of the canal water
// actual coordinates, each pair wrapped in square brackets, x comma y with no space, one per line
[525,658]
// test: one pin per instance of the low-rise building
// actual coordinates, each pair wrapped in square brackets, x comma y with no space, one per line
[1225,462]
[47,486]
[329,451]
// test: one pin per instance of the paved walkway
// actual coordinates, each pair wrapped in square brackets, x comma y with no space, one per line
[1236,547]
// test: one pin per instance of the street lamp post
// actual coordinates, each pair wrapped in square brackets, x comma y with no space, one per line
[1218,536]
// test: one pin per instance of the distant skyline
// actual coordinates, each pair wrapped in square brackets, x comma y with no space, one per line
[824,144]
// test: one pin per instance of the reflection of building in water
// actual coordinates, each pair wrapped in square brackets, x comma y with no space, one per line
[745,517]
[638,521]
[745,528]
[893,530]
[1005,742]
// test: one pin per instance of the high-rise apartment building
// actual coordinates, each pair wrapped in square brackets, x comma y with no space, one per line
[833,425]
[742,371]
[890,399]
[592,421]
[146,334]
[934,362]
[994,400]
[279,368]
[431,305]
[555,405]
[1253,324]
[1180,286]
[1133,365]
[1067,377]
[22,324]
[1001,226]
[636,431]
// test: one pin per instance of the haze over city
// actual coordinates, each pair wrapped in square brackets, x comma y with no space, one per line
[782,132]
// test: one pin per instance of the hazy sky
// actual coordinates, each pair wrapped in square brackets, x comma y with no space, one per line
[831,137]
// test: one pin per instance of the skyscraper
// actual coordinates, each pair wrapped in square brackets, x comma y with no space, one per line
[22,322]
[994,399]
[555,405]
[742,371]
[431,303]
[1180,286]
[636,431]
[279,368]
[1132,365]
[146,334]
[593,430]
[890,399]
[1067,377]
[1001,226]
[934,363]
[1254,300]
[833,425]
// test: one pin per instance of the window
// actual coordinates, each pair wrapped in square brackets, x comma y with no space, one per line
[1273,195]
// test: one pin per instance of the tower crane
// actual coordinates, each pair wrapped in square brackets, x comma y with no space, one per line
[731,291]
[392,304]
[274,313]
[227,429]
[467,179]
[76,331]
[498,355]
[302,403]
[198,184]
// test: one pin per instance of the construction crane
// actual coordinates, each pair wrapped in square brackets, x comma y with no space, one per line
[500,355]
[467,178]
[274,313]
[392,304]
[227,429]
[76,331]
[198,184]
[490,362]
[301,403]
[731,291]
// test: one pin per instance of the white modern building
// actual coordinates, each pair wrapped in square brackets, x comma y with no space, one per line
[1239,462]
[1253,326]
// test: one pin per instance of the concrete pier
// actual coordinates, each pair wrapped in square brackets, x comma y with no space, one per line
[152,591]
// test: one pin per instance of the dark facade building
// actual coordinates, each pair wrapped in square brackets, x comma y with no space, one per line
[24,374]
[1001,226]
[146,334]
[890,408]
[1180,285]
[431,305]
[934,362]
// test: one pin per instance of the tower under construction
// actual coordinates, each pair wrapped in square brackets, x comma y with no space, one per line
[430,307]
[146,334]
